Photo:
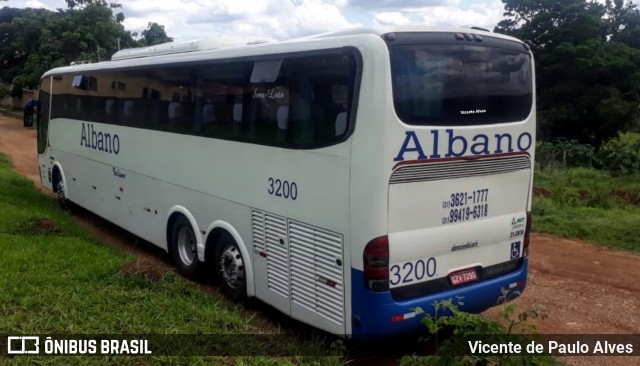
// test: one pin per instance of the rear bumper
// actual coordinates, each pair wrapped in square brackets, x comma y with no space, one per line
[372,312]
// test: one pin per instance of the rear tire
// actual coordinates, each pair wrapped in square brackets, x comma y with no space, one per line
[230,268]
[184,248]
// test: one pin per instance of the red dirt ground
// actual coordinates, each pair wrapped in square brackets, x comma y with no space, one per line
[586,289]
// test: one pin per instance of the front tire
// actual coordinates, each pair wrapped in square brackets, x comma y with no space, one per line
[184,248]
[63,201]
[230,269]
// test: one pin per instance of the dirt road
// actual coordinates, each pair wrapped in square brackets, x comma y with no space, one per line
[585,289]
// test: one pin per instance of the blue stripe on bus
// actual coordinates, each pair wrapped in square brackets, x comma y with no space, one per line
[372,311]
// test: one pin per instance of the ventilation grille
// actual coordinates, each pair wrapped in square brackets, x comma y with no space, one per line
[316,270]
[258,231]
[430,171]
[304,263]
[269,236]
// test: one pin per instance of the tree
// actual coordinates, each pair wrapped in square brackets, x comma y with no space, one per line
[623,22]
[11,59]
[73,4]
[15,57]
[46,39]
[588,78]
[33,41]
[154,34]
[588,91]
[546,23]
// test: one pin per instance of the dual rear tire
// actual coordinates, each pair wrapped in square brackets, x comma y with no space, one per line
[227,262]
[230,268]
[184,248]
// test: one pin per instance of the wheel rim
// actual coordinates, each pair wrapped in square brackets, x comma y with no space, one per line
[186,245]
[232,267]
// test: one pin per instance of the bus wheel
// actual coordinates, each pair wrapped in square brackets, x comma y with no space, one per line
[184,247]
[64,203]
[230,268]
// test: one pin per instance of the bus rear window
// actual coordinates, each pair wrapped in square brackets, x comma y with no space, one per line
[460,84]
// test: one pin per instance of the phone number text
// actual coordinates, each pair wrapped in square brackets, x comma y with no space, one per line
[466,206]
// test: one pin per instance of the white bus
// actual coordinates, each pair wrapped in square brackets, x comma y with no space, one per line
[344,179]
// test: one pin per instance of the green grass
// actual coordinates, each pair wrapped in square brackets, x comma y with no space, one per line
[55,278]
[10,112]
[590,205]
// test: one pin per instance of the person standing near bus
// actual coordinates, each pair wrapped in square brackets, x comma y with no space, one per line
[29,110]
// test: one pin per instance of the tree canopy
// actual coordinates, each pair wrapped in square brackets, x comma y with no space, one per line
[154,34]
[35,40]
[587,61]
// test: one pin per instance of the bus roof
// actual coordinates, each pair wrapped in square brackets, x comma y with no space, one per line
[243,47]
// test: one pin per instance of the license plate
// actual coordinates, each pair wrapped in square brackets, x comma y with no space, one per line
[464,276]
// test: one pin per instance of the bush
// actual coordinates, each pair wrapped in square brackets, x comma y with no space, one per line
[564,153]
[466,326]
[621,155]
[4,91]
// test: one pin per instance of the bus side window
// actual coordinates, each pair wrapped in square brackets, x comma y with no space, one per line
[127,112]
[282,118]
[110,110]
[208,113]
[237,120]
[341,123]
[237,112]
[174,110]
[301,121]
[79,109]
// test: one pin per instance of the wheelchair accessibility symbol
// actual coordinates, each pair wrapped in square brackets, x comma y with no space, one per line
[515,249]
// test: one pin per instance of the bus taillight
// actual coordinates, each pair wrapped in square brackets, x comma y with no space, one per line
[376,264]
[527,234]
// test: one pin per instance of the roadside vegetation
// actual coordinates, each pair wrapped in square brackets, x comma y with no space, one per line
[591,196]
[56,278]
[590,205]
[10,112]
[453,332]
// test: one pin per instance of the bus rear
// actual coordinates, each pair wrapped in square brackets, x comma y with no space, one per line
[458,164]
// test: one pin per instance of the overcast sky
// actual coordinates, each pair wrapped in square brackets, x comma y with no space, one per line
[284,19]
